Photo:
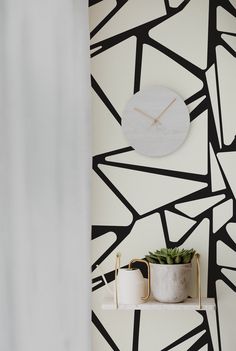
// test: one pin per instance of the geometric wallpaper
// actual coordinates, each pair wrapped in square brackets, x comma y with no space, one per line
[185,199]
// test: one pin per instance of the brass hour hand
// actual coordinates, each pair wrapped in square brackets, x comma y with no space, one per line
[145,114]
[157,119]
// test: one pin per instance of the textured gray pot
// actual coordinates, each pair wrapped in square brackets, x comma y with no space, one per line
[170,282]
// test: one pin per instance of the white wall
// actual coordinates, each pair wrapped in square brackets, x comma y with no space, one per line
[143,43]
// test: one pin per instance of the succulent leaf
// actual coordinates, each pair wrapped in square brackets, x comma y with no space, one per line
[169,260]
[170,256]
[178,259]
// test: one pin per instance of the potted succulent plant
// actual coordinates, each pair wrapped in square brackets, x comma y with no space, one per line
[170,273]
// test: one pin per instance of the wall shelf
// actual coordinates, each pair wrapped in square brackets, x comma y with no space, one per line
[191,304]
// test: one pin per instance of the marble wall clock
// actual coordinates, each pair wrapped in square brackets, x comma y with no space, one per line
[156,121]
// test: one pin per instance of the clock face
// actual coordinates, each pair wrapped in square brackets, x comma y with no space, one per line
[156,121]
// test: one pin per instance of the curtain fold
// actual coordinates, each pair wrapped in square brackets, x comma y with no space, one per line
[44,175]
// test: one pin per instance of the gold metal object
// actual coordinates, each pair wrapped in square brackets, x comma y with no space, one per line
[162,113]
[117,267]
[199,280]
[145,114]
[149,280]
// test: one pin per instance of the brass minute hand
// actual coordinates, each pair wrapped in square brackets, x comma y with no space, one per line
[156,120]
[146,114]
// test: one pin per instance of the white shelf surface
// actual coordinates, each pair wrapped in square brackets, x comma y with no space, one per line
[191,304]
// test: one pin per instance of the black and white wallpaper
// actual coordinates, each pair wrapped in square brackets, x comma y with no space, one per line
[184,199]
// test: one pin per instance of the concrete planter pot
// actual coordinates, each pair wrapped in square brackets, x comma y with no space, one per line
[170,282]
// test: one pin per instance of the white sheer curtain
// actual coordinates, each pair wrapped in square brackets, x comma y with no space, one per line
[44,176]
